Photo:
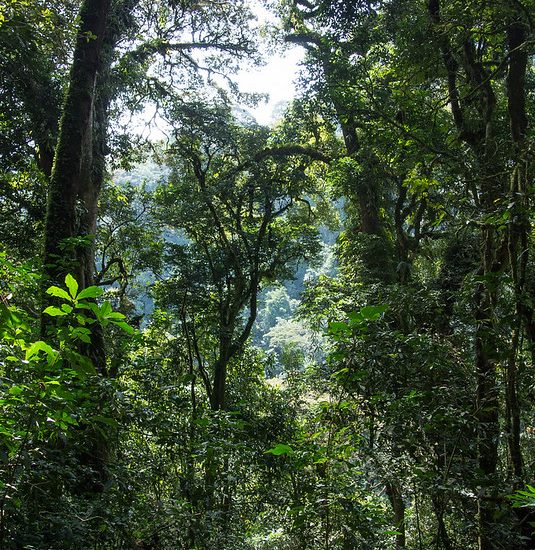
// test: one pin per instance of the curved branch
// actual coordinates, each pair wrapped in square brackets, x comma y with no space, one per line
[290,150]
[307,40]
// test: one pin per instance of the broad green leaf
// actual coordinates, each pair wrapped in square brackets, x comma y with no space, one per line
[66,417]
[125,326]
[373,313]
[337,326]
[82,334]
[38,346]
[105,309]
[355,318]
[54,311]
[72,285]
[84,319]
[90,292]
[58,292]
[89,305]
[280,449]
[115,315]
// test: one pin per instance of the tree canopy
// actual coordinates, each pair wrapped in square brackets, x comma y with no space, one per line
[314,334]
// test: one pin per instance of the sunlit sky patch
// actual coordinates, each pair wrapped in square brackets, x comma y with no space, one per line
[276,78]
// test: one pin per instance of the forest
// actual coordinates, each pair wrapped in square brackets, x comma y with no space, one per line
[317,333]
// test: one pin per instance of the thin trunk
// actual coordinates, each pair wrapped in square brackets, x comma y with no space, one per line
[443,539]
[398,506]
[518,248]
[519,228]
[220,373]
[487,402]
[512,420]
[218,394]
[190,489]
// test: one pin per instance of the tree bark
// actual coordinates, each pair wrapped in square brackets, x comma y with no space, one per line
[68,202]
[518,248]
[519,227]
[398,507]
[74,141]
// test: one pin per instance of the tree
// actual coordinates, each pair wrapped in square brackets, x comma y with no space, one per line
[483,128]
[412,427]
[34,44]
[245,212]
[472,146]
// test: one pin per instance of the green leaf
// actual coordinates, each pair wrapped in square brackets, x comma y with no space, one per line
[38,346]
[337,327]
[58,292]
[84,319]
[72,285]
[105,310]
[90,292]
[373,313]
[91,306]
[125,326]
[355,318]
[280,449]
[82,334]
[54,311]
[115,315]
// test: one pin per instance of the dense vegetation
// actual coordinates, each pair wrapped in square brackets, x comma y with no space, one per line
[314,335]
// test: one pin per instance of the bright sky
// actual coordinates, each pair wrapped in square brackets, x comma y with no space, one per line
[276,78]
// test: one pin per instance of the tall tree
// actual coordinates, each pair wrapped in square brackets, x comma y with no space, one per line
[372,48]
[473,65]
[244,207]
[75,139]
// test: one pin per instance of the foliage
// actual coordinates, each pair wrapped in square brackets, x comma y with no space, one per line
[336,314]
[51,395]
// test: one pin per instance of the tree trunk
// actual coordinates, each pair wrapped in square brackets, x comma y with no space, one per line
[443,539]
[486,414]
[479,135]
[518,248]
[398,507]
[71,175]
[74,142]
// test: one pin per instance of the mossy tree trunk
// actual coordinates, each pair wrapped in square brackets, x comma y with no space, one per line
[71,209]
[499,251]
[73,158]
